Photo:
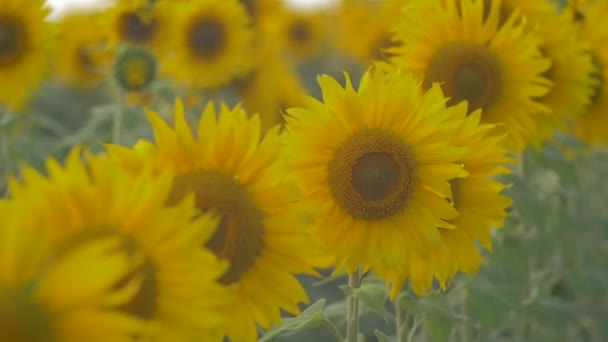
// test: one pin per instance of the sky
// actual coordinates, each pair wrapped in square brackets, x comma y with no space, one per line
[61,5]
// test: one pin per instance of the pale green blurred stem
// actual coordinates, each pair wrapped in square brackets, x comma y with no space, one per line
[118,118]
[464,330]
[352,319]
[402,322]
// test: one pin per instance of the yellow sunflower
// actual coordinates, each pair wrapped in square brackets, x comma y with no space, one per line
[270,89]
[139,22]
[532,10]
[212,43]
[571,72]
[365,29]
[496,68]
[300,34]
[480,205]
[230,168]
[84,59]
[72,297]
[592,125]
[375,163]
[26,44]
[176,292]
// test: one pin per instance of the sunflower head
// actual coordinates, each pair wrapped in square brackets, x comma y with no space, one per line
[381,184]
[85,58]
[138,22]
[26,40]
[494,66]
[212,44]
[229,168]
[135,69]
[90,200]
[300,34]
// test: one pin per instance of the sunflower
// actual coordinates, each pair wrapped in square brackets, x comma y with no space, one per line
[365,29]
[532,10]
[376,163]
[496,68]
[592,125]
[231,169]
[26,42]
[83,59]
[571,72]
[300,34]
[72,297]
[212,43]
[177,294]
[134,69]
[480,205]
[270,89]
[139,22]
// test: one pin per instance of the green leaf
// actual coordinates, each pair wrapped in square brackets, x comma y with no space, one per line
[373,294]
[311,317]
[382,337]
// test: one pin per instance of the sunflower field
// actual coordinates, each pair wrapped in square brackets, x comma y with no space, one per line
[251,170]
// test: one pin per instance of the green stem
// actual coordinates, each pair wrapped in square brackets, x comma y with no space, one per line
[403,321]
[118,118]
[352,322]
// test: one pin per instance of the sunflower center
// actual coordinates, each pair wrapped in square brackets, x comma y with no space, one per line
[371,175]
[143,303]
[207,38]
[135,29]
[240,235]
[467,72]
[21,319]
[299,32]
[12,40]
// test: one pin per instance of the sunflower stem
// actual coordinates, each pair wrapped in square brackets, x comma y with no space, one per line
[352,318]
[118,118]
[402,322]
[333,330]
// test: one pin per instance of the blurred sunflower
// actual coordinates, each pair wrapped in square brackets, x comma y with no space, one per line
[365,29]
[139,22]
[376,163]
[134,71]
[72,297]
[570,72]
[270,89]
[212,43]
[26,44]
[175,289]
[592,125]
[84,59]
[532,10]
[480,205]
[496,68]
[230,168]
[300,34]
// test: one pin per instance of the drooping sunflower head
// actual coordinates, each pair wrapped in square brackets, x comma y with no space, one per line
[212,43]
[26,42]
[231,169]
[592,125]
[381,182]
[135,69]
[87,201]
[84,58]
[494,68]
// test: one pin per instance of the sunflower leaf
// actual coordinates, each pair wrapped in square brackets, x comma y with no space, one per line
[311,317]
[382,337]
